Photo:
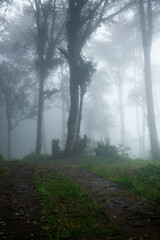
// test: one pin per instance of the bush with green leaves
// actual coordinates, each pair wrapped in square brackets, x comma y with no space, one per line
[82,145]
[112,153]
[55,148]
[125,152]
[105,149]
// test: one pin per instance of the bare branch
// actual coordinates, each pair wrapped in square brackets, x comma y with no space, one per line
[118,12]
[64,53]
[32,5]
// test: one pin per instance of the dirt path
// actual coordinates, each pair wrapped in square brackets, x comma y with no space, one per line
[137,218]
[20,212]
[19,208]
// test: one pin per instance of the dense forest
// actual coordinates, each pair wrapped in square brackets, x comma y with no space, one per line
[75,74]
[79,119]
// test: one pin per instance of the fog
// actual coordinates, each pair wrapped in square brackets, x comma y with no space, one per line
[114,103]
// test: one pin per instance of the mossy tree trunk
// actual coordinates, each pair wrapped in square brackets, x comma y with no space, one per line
[84,17]
[73,114]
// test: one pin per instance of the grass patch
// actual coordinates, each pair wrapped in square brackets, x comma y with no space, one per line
[4,170]
[142,177]
[70,212]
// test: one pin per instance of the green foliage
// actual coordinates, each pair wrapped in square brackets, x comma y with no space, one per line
[112,153]
[1,158]
[82,144]
[55,148]
[124,152]
[87,167]
[139,176]
[104,149]
[85,69]
[70,212]
[15,91]
[33,157]
[3,169]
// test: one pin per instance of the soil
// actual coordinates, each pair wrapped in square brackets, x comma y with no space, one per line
[20,209]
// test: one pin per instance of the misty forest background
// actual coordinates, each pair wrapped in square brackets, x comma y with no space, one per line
[80,71]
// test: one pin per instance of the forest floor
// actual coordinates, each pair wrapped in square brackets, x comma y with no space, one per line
[20,209]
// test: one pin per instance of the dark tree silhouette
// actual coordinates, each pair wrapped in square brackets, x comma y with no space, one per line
[49,17]
[84,17]
[145,11]
[15,92]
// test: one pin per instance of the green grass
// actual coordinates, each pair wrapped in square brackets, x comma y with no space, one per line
[70,212]
[142,177]
[4,170]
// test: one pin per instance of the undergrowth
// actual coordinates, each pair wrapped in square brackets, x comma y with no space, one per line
[142,177]
[70,212]
[4,170]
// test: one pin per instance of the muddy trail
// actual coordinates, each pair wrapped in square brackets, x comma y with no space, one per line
[20,210]
[137,218]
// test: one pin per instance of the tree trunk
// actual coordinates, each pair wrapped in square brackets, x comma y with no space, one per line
[146,30]
[150,106]
[82,92]
[63,116]
[9,126]
[73,114]
[143,130]
[40,112]
[89,123]
[44,144]
[79,29]
[138,131]
[121,109]
[137,118]
[9,139]
[80,112]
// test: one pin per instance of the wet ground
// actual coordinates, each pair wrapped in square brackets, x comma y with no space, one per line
[20,210]
[137,218]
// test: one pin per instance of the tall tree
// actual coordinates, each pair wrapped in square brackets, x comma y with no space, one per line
[84,17]
[145,12]
[119,84]
[137,98]
[115,50]
[64,85]
[15,92]
[49,17]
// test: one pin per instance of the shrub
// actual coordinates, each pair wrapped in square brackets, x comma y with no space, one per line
[104,149]
[112,153]
[56,151]
[82,144]
[125,152]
